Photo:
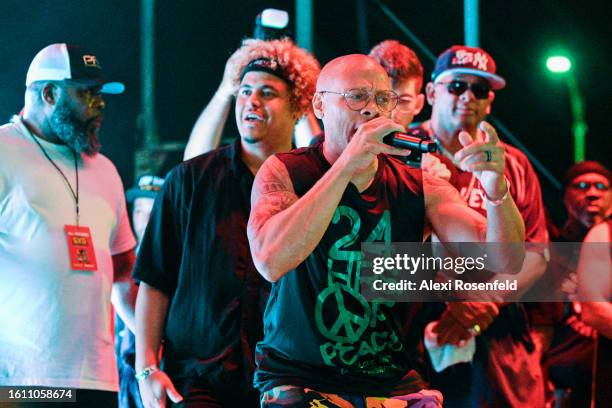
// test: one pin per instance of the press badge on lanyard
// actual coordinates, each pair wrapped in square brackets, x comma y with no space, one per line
[80,248]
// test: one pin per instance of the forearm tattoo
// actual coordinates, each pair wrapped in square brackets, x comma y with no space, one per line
[272,191]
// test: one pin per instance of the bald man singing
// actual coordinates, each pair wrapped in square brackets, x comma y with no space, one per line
[311,210]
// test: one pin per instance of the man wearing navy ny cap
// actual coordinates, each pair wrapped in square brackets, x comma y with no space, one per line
[505,371]
[65,239]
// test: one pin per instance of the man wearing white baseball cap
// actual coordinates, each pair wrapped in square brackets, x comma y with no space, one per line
[65,239]
[59,62]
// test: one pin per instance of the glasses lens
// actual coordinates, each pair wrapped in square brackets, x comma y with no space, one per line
[386,100]
[585,185]
[457,87]
[357,99]
[480,90]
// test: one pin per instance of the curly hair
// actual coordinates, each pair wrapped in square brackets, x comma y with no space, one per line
[298,66]
[400,62]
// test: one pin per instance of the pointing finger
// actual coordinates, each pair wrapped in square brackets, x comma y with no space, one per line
[489,131]
[465,138]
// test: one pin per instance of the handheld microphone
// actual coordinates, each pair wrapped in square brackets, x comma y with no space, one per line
[405,141]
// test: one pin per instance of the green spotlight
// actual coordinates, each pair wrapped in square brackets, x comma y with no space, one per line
[558,64]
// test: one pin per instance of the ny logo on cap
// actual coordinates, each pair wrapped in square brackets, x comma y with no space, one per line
[477,59]
[91,61]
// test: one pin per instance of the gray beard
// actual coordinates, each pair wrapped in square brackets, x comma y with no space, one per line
[72,131]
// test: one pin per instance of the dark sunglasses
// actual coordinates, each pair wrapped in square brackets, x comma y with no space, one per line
[479,89]
[586,185]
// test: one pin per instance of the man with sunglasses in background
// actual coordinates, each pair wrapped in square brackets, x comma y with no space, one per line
[65,238]
[587,199]
[324,343]
[569,359]
[505,371]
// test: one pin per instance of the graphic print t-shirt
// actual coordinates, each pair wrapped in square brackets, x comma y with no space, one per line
[319,331]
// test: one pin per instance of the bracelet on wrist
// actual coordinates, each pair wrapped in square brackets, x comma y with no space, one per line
[499,201]
[146,372]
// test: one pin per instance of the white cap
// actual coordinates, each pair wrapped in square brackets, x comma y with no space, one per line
[57,62]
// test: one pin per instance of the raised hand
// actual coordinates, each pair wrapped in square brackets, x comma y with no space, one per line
[230,82]
[486,159]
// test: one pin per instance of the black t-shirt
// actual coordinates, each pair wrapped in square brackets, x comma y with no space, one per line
[319,330]
[196,251]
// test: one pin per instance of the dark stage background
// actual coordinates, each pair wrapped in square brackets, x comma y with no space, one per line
[194,38]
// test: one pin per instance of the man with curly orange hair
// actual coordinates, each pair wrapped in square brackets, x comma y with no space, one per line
[199,291]
[207,130]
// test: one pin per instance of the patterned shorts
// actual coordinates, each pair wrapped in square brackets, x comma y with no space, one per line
[289,396]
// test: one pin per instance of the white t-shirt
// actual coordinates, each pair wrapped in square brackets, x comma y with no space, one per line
[55,323]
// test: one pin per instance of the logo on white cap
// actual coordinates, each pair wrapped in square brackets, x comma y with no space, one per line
[91,61]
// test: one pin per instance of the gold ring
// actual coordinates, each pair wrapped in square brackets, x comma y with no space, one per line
[475,330]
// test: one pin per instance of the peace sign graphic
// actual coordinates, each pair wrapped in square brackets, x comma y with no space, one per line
[347,313]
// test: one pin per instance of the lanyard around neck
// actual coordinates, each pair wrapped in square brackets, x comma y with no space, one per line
[74,192]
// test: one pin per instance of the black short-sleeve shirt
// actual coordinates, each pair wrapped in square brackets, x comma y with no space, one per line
[196,251]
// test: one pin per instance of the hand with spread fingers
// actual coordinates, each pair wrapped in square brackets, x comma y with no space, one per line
[486,159]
